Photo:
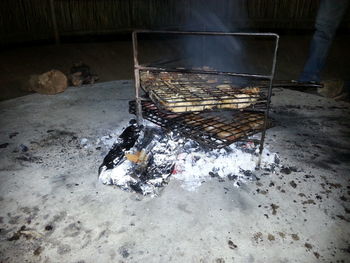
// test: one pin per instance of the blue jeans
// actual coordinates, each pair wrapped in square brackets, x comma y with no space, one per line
[328,19]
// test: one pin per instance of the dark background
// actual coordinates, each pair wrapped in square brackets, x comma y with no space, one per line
[31,20]
[97,32]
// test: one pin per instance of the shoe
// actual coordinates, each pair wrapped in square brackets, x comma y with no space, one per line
[331,88]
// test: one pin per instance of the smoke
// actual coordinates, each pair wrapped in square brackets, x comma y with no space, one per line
[223,53]
[237,54]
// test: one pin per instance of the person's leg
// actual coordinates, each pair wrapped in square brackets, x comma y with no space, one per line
[328,19]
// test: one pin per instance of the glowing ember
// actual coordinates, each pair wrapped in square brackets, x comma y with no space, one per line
[145,158]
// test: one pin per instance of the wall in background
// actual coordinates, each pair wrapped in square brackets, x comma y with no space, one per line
[31,20]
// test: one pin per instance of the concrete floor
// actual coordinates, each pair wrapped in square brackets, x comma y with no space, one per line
[53,208]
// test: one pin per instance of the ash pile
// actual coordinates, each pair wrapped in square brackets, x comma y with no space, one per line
[141,160]
[145,158]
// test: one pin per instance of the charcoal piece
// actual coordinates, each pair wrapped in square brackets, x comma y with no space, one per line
[213,174]
[286,170]
[277,160]
[136,187]
[248,173]
[232,177]
[23,148]
[126,140]
[80,74]
[4,145]
[13,134]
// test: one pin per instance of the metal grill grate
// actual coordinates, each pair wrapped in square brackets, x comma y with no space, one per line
[178,92]
[212,129]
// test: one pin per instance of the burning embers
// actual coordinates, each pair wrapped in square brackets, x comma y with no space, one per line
[141,160]
[144,158]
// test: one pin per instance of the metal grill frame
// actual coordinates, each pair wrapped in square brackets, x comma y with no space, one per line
[269,77]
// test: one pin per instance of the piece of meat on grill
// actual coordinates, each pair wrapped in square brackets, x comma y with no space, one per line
[174,93]
[240,101]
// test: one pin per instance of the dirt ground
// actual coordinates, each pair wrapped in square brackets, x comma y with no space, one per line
[113,61]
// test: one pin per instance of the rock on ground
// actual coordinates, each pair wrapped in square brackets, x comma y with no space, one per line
[50,83]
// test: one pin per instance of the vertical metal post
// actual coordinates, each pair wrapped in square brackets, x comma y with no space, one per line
[54,22]
[137,79]
[269,94]
[203,46]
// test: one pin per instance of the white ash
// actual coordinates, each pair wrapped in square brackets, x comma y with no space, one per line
[108,140]
[186,161]
[85,143]
[237,163]
[148,176]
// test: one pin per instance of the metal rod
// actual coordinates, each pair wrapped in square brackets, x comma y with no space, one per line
[269,94]
[137,80]
[213,72]
[208,33]
[54,22]
[209,72]
[292,84]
